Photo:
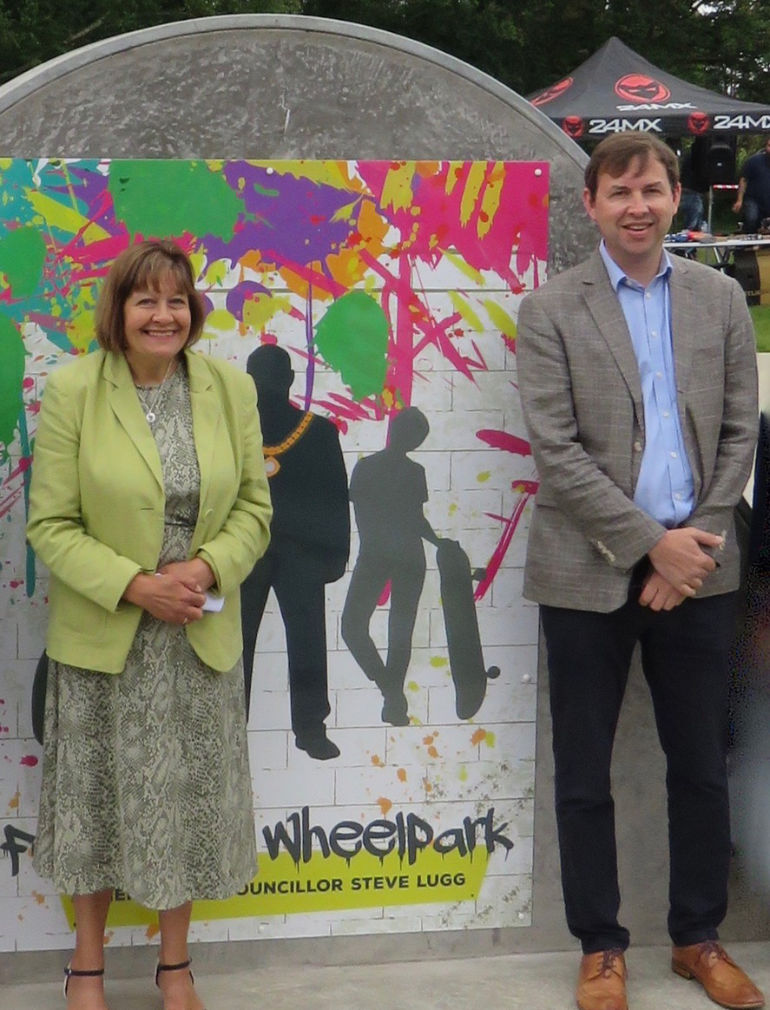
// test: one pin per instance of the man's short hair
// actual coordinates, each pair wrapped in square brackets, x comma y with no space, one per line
[615,153]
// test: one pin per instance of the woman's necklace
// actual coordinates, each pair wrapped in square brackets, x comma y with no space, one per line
[150,406]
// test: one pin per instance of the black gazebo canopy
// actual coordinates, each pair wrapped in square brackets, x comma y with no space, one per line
[617,89]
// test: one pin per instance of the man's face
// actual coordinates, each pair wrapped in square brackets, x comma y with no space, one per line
[634,213]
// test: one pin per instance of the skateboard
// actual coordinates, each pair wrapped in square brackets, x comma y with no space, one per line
[466,660]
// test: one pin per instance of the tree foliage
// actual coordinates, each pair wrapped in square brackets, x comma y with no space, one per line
[527,44]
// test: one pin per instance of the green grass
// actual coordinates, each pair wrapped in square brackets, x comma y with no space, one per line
[761,316]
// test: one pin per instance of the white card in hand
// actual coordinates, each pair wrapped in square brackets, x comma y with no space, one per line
[213,603]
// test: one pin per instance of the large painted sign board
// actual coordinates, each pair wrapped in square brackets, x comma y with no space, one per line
[391,286]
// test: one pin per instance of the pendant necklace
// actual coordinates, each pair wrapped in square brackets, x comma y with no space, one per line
[155,402]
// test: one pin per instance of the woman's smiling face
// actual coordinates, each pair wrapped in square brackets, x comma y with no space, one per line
[156,323]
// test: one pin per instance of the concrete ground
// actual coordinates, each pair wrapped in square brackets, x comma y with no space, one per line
[513,982]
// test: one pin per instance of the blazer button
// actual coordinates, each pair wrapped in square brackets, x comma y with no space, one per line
[638,446]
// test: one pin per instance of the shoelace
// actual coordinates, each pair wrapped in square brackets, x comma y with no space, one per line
[709,947]
[608,965]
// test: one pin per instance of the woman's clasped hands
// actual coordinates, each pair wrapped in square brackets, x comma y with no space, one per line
[175,593]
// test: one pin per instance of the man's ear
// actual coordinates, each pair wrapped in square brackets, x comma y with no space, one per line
[588,203]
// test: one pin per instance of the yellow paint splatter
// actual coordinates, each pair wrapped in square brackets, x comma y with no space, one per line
[152,930]
[385,805]
[501,320]
[472,190]
[465,268]
[401,774]
[397,188]
[58,215]
[427,785]
[413,686]
[221,319]
[377,761]
[469,314]
[490,739]
[14,801]
[490,199]
[433,752]
[257,312]
[80,330]
[463,774]
[478,737]
[427,740]
[483,476]
[216,273]
[438,661]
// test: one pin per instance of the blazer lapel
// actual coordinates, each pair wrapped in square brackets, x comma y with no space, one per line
[604,306]
[683,311]
[207,417]
[125,404]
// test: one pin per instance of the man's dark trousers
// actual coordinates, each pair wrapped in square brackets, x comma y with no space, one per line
[685,662]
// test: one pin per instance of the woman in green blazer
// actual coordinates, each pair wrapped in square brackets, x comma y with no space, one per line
[149,506]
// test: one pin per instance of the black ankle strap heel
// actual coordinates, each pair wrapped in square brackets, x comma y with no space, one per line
[70,972]
[173,967]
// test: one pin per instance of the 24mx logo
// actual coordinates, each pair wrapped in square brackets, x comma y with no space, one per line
[599,126]
[727,122]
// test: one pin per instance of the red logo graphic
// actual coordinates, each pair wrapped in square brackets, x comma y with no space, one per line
[698,122]
[641,89]
[573,126]
[553,92]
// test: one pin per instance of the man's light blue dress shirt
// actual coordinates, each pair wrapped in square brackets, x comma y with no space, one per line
[665,486]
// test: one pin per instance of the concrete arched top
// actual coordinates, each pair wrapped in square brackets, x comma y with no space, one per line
[285,86]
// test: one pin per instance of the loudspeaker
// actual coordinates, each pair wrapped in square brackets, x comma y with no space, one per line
[752,271]
[720,164]
[710,162]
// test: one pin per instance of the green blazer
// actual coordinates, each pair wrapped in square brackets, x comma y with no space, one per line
[96,509]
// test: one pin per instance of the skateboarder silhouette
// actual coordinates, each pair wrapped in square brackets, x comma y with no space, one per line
[388,491]
[310,541]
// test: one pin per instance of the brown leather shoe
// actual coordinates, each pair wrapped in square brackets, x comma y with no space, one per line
[602,981]
[719,975]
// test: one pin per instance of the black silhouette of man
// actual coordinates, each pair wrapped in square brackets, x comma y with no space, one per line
[388,491]
[310,542]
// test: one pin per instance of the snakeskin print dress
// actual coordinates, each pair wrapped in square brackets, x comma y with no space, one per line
[146,782]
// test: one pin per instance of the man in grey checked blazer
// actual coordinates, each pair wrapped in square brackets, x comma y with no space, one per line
[637,374]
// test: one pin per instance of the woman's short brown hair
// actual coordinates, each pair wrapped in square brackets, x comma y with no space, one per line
[615,153]
[144,266]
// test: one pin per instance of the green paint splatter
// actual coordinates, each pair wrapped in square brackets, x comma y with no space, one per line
[22,252]
[157,198]
[352,338]
[11,378]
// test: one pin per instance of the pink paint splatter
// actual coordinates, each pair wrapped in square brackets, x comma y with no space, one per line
[29,760]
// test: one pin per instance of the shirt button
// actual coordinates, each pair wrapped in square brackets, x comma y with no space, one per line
[653,333]
[678,496]
[672,455]
[667,413]
[659,375]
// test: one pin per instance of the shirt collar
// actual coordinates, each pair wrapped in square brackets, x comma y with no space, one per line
[618,276]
